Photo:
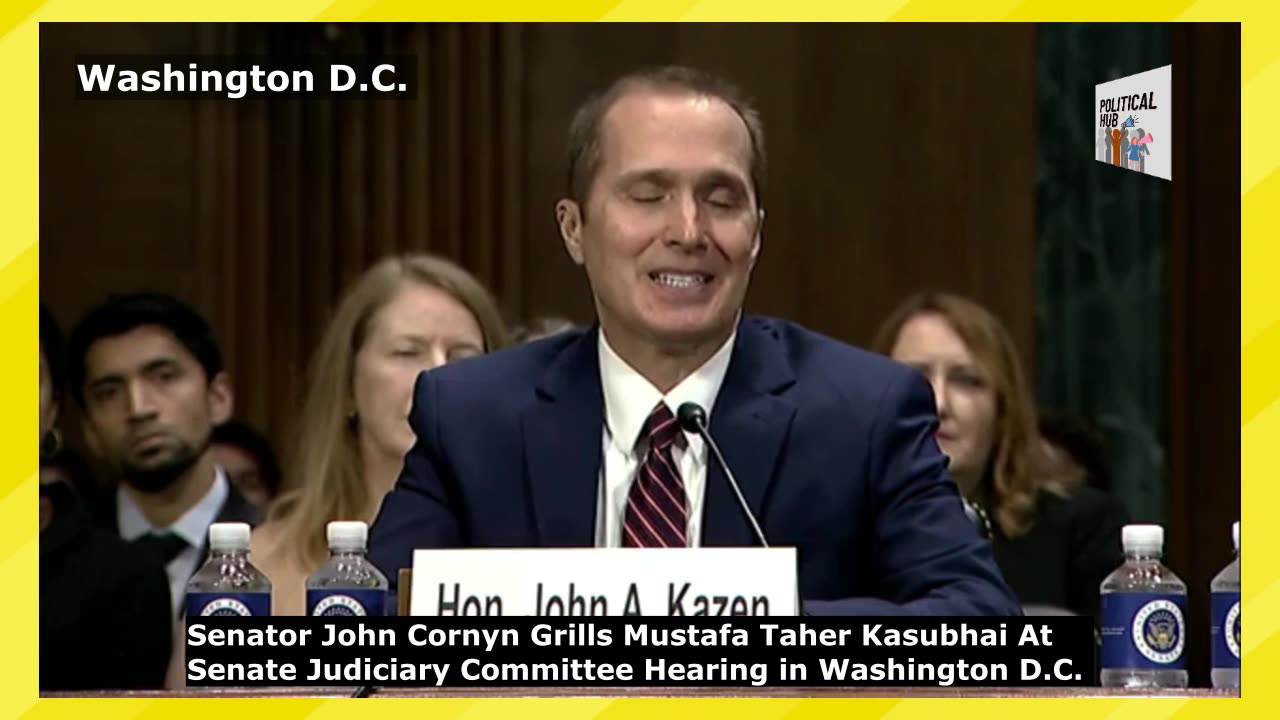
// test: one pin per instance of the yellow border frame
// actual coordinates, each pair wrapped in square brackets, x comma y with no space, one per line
[1259,337]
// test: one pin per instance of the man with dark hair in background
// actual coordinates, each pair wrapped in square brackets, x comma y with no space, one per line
[147,372]
[248,460]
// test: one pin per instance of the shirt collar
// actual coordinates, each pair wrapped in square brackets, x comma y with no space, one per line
[629,397]
[192,526]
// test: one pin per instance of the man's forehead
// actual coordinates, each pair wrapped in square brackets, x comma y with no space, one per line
[135,348]
[642,122]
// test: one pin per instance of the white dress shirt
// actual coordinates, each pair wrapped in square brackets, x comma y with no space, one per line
[628,400]
[193,527]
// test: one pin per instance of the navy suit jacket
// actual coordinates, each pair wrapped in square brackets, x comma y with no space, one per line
[833,447]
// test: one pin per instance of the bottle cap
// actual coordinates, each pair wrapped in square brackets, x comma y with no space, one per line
[1138,538]
[347,535]
[1235,534]
[228,537]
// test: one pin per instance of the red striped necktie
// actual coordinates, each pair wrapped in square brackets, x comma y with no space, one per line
[657,514]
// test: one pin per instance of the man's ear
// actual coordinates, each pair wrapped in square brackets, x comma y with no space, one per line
[221,398]
[569,220]
[758,239]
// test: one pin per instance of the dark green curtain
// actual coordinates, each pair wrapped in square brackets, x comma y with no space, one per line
[1101,278]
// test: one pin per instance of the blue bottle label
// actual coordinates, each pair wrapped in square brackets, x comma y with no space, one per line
[357,602]
[1224,629]
[1144,631]
[256,604]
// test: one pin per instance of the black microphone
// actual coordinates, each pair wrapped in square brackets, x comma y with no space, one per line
[693,419]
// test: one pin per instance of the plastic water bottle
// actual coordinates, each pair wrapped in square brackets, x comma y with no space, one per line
[347,584]
[1224,623]
[228,584]
[1143,624]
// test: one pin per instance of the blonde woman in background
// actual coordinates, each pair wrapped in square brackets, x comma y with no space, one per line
[405,315]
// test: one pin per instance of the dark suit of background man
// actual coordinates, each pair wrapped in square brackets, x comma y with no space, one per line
[570,441]
[149,375]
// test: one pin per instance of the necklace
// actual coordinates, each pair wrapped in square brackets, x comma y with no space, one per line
[982,517]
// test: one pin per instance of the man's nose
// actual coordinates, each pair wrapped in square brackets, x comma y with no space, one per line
[141,403]
[686,223]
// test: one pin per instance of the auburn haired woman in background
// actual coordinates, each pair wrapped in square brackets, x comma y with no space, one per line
[1054,537]
[405,315]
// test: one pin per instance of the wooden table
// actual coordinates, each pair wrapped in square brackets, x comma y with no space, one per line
[662,692]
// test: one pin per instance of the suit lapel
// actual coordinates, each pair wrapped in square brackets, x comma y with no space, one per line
[562,441]
[750,421]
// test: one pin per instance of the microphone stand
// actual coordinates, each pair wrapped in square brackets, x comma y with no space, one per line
[693,418]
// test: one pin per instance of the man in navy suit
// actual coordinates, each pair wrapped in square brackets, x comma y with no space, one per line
[571,441]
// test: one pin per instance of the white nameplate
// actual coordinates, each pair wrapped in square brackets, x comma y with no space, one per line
[605,581]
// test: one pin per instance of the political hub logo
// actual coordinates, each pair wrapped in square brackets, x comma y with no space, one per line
[1134,122]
